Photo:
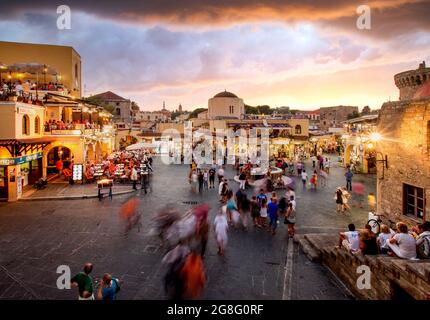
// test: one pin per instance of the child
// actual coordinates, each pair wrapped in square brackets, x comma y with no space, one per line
[221,226]
[263,213]
[371,200]
[304,178]
[314,179]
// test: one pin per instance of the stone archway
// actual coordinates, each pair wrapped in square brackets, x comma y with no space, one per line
[54,154]
[347,155]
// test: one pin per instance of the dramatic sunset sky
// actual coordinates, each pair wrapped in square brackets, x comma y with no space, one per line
[299,53]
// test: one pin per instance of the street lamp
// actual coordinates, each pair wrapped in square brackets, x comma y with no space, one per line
[2,67]
[375,137]
[45,70]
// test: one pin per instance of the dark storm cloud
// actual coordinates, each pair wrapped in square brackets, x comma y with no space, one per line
[219,12]
[389,22]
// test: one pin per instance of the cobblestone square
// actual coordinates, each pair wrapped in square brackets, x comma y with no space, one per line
[38,236]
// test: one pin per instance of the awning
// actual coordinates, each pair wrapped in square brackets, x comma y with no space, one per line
[17,146]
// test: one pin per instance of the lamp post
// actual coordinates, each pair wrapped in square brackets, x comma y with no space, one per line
[2,67]
[45,70]
[374,138]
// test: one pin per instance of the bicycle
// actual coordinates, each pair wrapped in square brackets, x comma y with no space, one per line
[375,223]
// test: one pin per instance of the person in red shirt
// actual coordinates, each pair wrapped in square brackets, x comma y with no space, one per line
[59,166]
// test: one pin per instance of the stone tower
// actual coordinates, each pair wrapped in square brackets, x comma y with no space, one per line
[410,81]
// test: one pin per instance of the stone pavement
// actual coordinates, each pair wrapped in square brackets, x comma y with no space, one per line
[65,191]
[37,237]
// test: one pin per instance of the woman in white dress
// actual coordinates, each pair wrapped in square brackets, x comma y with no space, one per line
[221,227]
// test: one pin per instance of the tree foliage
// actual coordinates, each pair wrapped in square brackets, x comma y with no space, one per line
[99,102]
[353,115]
[195,112]
[264,109]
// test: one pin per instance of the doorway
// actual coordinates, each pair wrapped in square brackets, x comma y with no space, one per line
[3,184]
[56,154]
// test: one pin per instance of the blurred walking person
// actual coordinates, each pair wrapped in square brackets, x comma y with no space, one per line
[193,276]
[221,227]
[129,214]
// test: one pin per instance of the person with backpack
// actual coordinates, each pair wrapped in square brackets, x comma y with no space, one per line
[423,241]
[212,178]
[109,287]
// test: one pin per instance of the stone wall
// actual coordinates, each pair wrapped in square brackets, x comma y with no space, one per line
[387,275]
[404,126]
[333,116]
[410,81]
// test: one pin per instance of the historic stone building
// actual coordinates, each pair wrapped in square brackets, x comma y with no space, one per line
[333,117]
[123,111]
[403,187]
[410,81]
[226,105]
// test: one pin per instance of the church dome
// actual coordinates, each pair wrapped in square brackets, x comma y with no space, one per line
[225,94]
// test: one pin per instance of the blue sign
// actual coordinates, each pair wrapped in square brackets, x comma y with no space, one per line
[20,160]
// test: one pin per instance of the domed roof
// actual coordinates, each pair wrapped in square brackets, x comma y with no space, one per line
[225,94]
[423,92]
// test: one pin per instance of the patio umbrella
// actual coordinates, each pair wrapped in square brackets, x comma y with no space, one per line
[140,146]
[287,181]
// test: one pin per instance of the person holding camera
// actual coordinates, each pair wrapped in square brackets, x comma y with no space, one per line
[108,289]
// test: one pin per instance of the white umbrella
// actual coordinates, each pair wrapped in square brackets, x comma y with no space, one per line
[287,180]
[140,146]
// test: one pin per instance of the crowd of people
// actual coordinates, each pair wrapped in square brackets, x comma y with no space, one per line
[401,242]
[185,236]
[125,166]
[69,125]
[22,88]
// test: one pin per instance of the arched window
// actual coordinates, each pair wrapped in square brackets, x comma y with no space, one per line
[37,125]
[26,125]
[298,129]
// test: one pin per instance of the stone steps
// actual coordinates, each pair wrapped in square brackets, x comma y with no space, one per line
[307,248]
[411,276]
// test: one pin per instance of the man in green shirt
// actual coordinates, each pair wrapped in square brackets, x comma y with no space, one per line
[84,283]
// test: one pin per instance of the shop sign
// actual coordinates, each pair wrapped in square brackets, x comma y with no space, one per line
[77,172]
[26,110]
[281,141]
[20,160]
[66,132]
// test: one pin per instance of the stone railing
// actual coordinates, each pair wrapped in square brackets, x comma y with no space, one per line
[390,278]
